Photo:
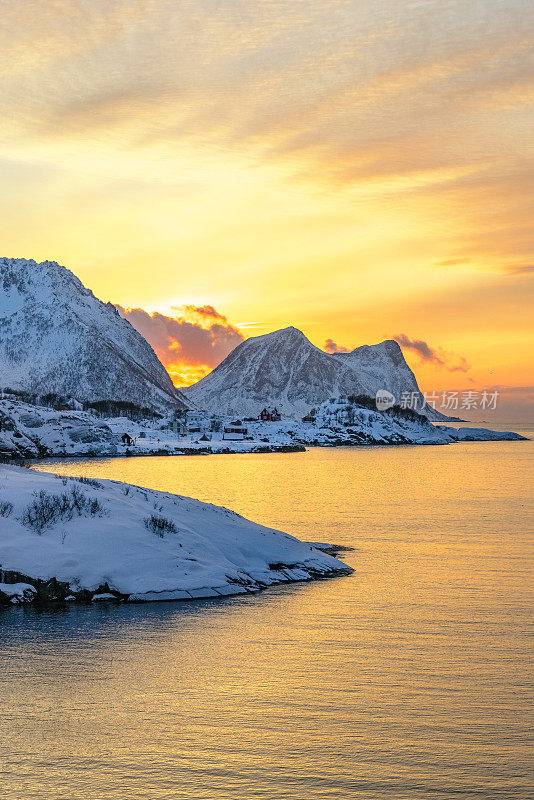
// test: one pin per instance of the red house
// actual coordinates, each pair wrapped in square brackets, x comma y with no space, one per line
[270,415]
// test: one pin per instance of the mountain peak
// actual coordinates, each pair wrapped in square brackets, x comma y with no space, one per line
[284,369]
[290,332]
[388,349]
[57,337]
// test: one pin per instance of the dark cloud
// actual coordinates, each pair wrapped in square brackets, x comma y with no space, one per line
[188,349]
[331,347]
[515,404]
[432,355]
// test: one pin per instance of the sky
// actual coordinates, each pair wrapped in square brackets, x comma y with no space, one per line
[361,170]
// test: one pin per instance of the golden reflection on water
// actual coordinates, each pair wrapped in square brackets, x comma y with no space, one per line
[407,679]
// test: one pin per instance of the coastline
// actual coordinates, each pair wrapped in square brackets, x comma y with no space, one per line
[68,539]
[19,589]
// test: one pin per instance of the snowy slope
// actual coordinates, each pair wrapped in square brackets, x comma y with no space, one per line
[31,431]
[56,336]
[286,370]
[104,541]
[281,368]
[340,423]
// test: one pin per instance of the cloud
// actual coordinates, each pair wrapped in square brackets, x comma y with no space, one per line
[189,349]
[438,357]
[394,97]
[515,404]
[331,347]
[180,127]
[451,262]
[357,86]
[202,312]
[520,269]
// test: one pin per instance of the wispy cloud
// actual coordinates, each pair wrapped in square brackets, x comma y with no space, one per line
[346,149]
[436,356]
[521,269]
[451,262]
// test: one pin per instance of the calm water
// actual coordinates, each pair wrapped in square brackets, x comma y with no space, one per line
[409,679]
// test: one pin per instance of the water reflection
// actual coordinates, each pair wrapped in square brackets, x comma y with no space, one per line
[406,679]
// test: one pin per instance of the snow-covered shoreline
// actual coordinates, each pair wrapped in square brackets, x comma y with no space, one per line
[67,539]
[31,432]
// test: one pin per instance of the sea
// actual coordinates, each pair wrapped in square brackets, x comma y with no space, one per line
[410,679]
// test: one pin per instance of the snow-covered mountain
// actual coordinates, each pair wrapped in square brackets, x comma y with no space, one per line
[56,336]
[285,369]
[383,366]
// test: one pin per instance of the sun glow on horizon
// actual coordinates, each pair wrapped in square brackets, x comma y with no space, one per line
[354,170]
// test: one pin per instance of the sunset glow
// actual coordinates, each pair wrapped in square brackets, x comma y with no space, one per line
[359,170]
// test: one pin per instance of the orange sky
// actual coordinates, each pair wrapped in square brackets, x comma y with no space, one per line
[358,170]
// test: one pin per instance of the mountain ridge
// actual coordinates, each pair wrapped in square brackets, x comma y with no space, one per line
[56,336]
[283,368]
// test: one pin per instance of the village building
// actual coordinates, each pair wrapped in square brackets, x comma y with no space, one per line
[195,421]
[178,426]
[235,431]
[270,415]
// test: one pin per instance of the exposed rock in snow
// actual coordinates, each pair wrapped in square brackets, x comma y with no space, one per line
[17,593]
[56,336]
[342,422]
[285,369]
[29,431]
[104,540]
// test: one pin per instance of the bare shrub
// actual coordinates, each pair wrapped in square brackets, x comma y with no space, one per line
[43,511]
[47,509]
[77,500]
[5,508]
[90,482]
[160,525]
[95,508]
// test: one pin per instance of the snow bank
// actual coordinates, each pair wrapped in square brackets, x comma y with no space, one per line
[92,539]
